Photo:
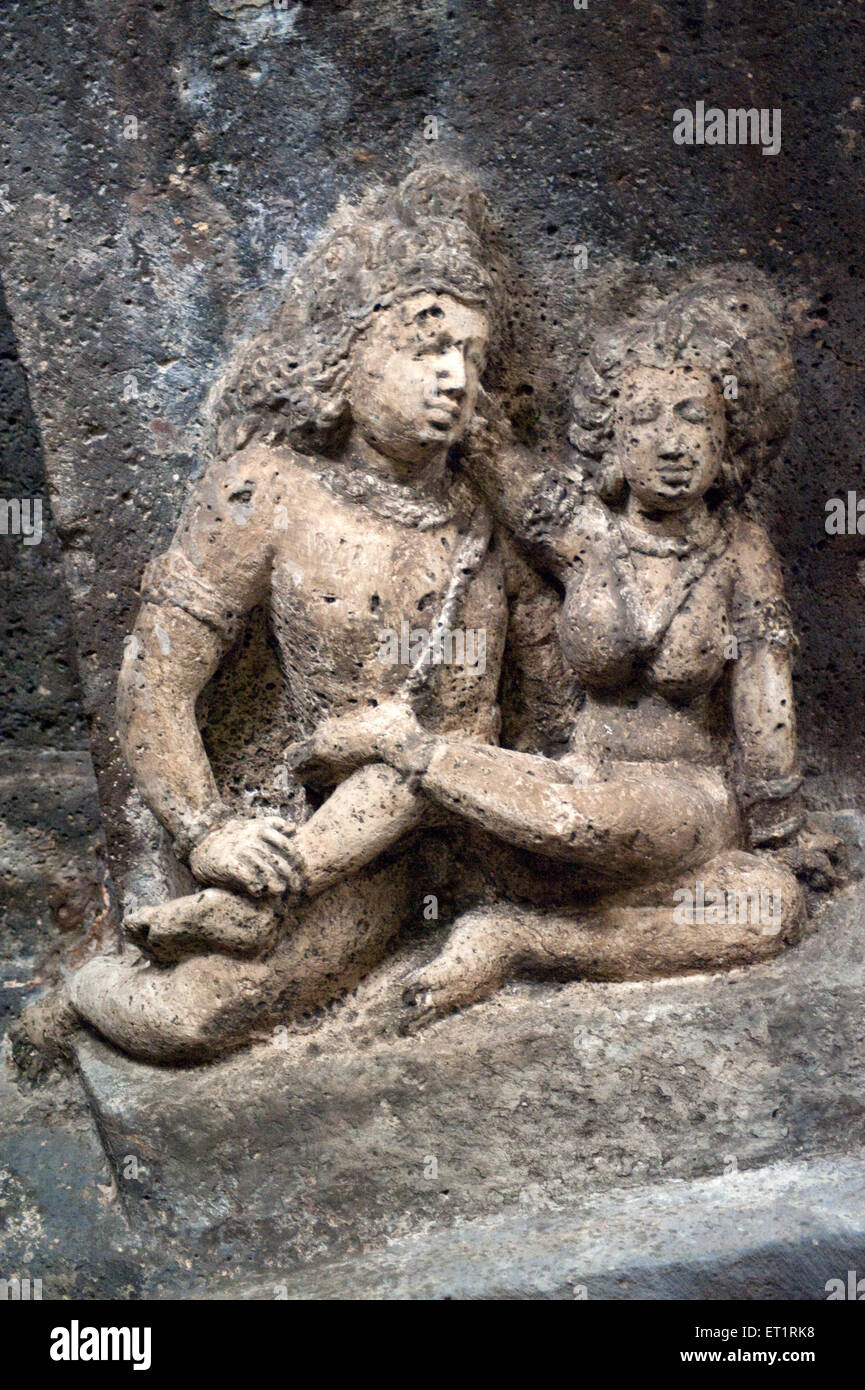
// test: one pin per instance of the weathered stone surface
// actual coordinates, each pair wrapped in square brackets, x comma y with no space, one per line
[251,121]
[59,1217]
[39,693]
[167,165]
[781,1232]
[53,896]
[353,374]
[330,1142]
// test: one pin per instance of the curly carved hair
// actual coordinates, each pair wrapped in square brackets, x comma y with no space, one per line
[289,384]
[720,325]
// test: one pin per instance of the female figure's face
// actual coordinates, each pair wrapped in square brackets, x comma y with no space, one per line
[415,373]
[670,433]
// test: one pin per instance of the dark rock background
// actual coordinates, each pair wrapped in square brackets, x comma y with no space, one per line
[131,266]
[39,694]
[136,255]
[52,861]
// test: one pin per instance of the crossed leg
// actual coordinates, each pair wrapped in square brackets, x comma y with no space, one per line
[207,1005]
[637,934]
[366,815]
[227,978]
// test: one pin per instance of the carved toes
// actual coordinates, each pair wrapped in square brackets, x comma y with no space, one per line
[421,1006]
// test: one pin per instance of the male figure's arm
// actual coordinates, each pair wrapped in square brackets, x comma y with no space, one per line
[195,600]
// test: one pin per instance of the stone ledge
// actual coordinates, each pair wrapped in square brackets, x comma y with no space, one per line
[324,1144]
[775,1233]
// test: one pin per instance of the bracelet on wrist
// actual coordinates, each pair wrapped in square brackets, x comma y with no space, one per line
[777,832]
[194,831]
[754,789]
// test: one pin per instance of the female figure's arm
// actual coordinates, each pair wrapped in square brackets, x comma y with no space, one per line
[762,693]
[535,501]
[565,529]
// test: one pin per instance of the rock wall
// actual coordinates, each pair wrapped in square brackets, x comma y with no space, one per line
[167,163]
[52,895]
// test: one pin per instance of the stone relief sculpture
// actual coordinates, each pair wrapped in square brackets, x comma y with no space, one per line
[358,490]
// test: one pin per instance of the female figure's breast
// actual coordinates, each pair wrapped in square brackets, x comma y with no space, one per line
[595,629]
[610,645]
[692,656]
[661,697]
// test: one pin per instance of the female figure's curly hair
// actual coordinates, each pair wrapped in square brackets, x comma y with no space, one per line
[715,324]
[289,384]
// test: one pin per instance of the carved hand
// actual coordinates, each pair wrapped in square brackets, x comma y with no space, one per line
[256,856]
[489,426]
[389,733]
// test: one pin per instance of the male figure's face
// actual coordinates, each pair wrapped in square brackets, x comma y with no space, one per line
[670,429]
[414,375]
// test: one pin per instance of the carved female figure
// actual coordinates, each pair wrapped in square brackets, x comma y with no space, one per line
[682,772]
[682,766]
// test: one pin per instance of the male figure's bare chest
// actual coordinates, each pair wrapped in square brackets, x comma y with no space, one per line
[343,574]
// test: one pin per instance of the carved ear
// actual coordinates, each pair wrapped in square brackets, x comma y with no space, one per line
[610,482]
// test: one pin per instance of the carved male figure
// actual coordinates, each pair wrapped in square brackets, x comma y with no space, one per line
[682,764]
[373,367]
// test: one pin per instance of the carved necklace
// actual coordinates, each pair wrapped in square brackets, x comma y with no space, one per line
[395,501]
[468,558]
[697,551]
[647,543]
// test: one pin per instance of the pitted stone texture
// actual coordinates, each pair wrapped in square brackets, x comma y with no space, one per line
[137,252]
[60,1221]
[53,897]
[307,1147]
[782,1232]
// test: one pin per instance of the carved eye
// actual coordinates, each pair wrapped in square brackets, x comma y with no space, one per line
[645,413]
[692,411]
[435,343]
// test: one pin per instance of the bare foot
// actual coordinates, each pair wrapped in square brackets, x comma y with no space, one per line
[419,1009]
[483,949]
[213,920]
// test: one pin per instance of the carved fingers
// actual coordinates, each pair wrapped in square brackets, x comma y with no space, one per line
[817,858]
[377,734]
[255,856]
